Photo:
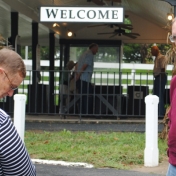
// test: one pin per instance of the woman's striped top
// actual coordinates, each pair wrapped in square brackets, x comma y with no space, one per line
[14,158]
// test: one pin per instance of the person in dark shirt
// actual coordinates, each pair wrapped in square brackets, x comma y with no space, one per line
[160,77]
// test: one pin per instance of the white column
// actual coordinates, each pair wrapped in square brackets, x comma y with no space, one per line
[26,52]
[19,114]
[151,152]
[133,72]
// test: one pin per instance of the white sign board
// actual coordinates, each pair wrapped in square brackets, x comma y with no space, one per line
[82,14]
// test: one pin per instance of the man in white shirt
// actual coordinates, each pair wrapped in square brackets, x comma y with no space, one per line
[84,70]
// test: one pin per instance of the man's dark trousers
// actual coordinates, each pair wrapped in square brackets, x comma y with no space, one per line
[86,100]
[159,90]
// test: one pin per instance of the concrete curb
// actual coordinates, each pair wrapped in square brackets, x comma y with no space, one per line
[62,163]
[55,119]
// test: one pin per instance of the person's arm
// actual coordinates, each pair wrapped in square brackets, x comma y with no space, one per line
[76,67]
[163,64]
[87,61]
[14,158]
[81,71]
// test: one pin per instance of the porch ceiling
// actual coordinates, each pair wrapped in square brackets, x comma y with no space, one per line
[148,18]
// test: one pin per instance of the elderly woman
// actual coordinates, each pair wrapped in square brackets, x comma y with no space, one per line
[65,79]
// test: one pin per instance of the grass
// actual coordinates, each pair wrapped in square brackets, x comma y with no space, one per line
[106,149]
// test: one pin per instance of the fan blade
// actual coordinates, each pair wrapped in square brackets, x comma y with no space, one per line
[134,34]
[105,33]
[96,25]
[113,35]
[124,26]
[129,35]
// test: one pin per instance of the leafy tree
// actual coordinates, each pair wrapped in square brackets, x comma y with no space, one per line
[105,54]
[44,52]
[132,53]
[29,52]
[137,53]
[141,53]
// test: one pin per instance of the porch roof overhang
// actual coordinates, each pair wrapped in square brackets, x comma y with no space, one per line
[149,19]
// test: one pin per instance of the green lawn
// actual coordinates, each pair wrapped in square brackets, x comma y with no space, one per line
[106,149]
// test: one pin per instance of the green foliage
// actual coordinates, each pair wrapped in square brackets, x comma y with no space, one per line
[44,52]
[105,149]
[137,53]
[105,54]
[29,52]
[141,53]
[127,21]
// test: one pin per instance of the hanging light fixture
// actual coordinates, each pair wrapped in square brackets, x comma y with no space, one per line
[170,16]
[69,34]
[55,24]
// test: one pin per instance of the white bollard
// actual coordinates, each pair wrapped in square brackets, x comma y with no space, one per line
[151,152]
[19,114]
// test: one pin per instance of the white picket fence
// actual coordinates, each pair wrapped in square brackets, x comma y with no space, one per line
[112,73]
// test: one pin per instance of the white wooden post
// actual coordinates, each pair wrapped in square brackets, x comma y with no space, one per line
[19,114]
[133,72]
[26,52]
[151,152]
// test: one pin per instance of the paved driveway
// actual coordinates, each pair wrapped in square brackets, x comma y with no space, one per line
[56,170]
[55,126]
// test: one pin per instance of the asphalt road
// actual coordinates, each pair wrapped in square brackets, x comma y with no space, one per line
[55,170]
[55,126]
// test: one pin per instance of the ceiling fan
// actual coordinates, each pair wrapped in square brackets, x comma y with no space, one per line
[120,32]
[124,26]
[100,2]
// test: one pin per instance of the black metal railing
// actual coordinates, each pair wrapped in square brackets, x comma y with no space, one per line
[112,95]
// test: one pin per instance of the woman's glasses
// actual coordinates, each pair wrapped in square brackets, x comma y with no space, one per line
[172,38]
[11,85]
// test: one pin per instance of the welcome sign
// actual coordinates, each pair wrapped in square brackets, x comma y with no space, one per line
[82,14]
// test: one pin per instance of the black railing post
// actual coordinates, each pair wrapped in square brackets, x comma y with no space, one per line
[51,73]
